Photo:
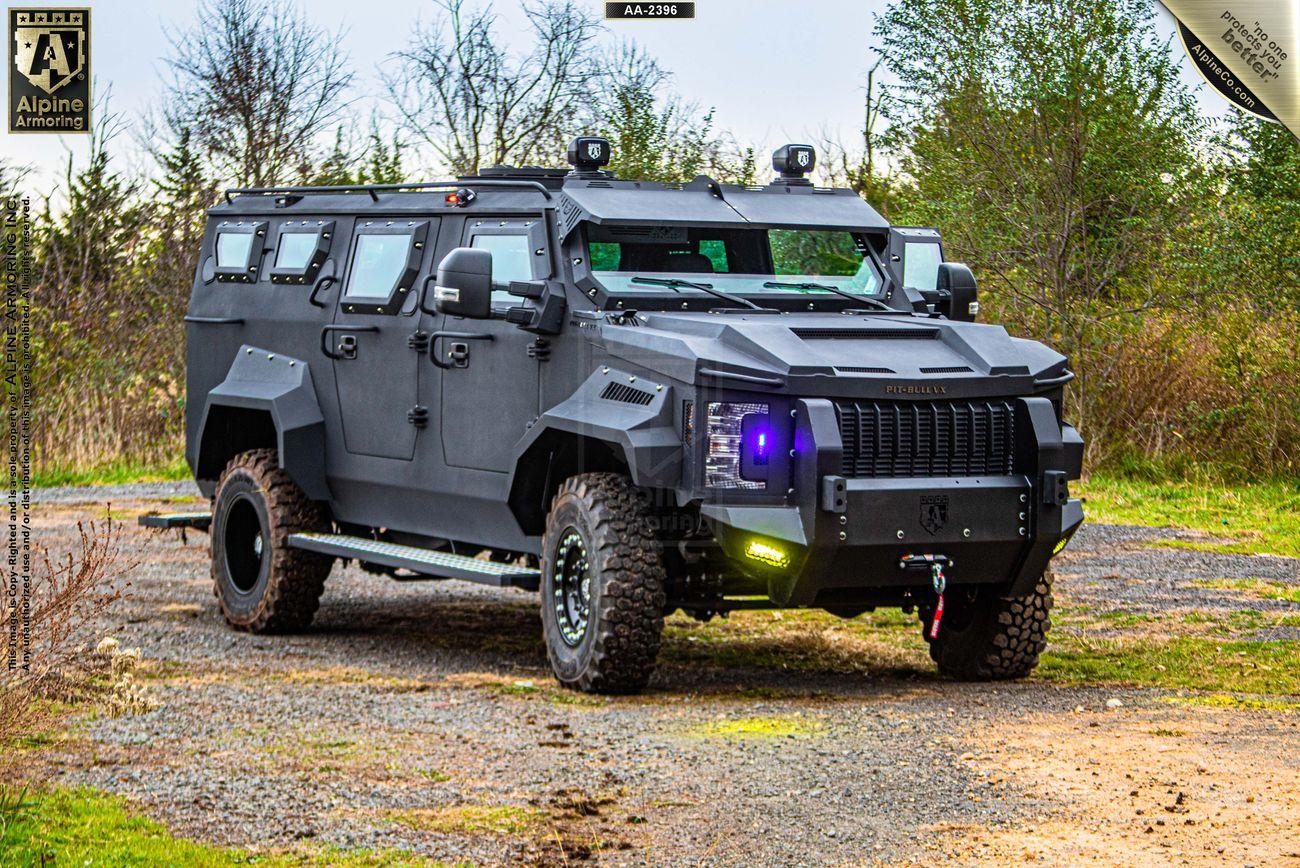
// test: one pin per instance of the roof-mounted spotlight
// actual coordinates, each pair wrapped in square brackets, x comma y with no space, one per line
[793,162]
[587,154]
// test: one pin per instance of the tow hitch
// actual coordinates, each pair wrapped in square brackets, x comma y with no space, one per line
[935,564]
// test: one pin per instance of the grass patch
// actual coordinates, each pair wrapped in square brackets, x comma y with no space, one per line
[1259,517]
[114,473]
[350,675]
[1229,700]
[758,727]
[85,827]
[882,643]
[1255,587]
[1266,668]
[470,819]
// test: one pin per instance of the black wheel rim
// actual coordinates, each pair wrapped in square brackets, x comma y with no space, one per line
[571,587]
[245,544]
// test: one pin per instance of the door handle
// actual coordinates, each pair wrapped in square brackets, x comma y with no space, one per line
[322,282]
[215,320]
[352,344]
[459,351]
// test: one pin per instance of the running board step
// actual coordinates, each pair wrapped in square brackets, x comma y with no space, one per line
[169,520]
[424,561]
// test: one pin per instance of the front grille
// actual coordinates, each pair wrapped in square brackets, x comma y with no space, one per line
[927,438]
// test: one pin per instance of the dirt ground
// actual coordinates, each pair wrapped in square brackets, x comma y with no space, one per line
[421,717]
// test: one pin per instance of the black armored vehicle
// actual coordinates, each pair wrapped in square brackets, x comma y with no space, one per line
[632,397]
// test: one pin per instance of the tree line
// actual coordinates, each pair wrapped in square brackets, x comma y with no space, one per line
[1053,143]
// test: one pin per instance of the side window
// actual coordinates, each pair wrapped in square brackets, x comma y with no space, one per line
[921,264]
[237,250]
[382,268]
[511,259]
[301,248]
[233,248]
[514,246]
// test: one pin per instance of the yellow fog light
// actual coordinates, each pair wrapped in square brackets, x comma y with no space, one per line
[767,554]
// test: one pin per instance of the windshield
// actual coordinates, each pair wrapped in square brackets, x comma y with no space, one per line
[768,261]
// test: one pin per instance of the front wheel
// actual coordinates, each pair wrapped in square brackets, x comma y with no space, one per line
[986,637]
[261,583]
[602,586]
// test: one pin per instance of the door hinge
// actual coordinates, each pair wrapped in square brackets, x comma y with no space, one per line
[540,349]
[419,341]
[418,416]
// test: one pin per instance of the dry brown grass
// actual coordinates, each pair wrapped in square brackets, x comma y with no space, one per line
[54,666]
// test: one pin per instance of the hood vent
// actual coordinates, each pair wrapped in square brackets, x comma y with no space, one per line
[851,369]
[955,369]
[626,394]
[833,334]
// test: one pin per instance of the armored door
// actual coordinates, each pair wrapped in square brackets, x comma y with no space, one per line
[490,381]
[369,340]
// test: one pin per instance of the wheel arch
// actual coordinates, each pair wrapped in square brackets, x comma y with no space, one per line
[587,433]
[265,401]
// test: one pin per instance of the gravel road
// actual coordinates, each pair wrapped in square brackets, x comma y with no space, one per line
[421,717]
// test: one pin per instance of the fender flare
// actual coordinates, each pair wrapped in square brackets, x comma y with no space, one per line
[282,387]
[645,435]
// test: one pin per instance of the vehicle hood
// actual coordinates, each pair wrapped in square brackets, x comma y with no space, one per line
[832,354]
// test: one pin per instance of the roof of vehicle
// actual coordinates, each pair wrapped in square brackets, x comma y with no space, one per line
[596,198]
[704,202]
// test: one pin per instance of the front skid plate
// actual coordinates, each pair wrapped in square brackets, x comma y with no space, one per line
[424,561]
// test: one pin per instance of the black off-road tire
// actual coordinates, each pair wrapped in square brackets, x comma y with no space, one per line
[991,638]
[265,586]
[616,649]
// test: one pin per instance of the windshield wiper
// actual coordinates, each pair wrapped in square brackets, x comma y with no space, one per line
[776,284]
[674,283]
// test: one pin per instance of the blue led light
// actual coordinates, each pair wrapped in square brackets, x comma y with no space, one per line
[760,443]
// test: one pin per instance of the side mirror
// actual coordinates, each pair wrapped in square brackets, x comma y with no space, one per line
[463,286]
[956,285]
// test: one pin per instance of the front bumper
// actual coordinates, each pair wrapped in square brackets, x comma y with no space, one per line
[844,537]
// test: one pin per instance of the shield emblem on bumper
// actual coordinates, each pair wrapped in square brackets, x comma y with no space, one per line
[934,512]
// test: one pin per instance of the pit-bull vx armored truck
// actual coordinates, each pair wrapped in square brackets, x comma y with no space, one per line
[631,397]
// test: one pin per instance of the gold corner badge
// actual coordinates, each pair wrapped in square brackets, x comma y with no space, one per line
[49,70]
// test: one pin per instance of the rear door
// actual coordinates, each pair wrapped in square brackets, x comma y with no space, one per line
[375,366]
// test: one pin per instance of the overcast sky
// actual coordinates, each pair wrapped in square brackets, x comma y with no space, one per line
[775,70]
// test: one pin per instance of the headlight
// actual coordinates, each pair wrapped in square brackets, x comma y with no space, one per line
[739,443]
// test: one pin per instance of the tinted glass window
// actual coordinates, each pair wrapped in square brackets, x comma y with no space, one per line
[921,265]
[823,254]
[716,251]
[376,264]
[233,248]
[604,255]
[511,258]
[296,249]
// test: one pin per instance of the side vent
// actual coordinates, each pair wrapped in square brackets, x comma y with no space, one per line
[955,369]
[626,394]
[832,334]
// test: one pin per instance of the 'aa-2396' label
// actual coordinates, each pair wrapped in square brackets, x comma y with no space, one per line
[648,11]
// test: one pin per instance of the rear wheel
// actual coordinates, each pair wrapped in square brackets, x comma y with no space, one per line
[986,637]
[261,584]
[602,586]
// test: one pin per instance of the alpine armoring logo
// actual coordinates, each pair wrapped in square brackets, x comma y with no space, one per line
[49,70]
[934,512]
